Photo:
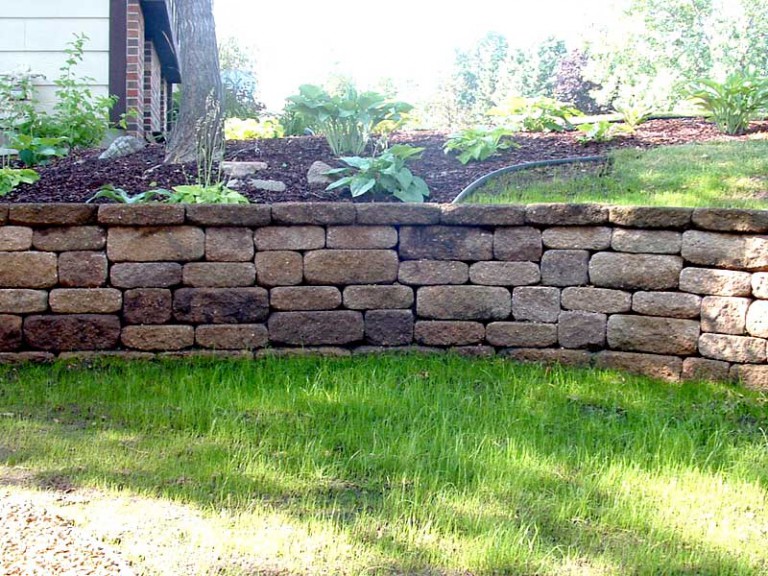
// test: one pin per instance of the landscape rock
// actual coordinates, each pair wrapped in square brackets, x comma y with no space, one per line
[463,302]
[389,327]
[667,368]
[158,338]
[341,267]
[224,337]
[577,237]
[220,305]
[145,275]
[521,334]
[317,176]
[590,299]
[236,169]
[757,319]
[72,332]
[268,185]
[15,238]
[647,241]
[705,370]
[331,328]
[724,315]
[668,304]
[732,348]
[433,272]
[294,298]
[289,238]
[445,243]
[23,301]
[123,146]
[229,244]
[279,268]
[361,237]
[536,304]
[504,273]
[10,333]
[155,244]
[635,271]
[565,268]
[219,274]
[64,238]
[147,306]
[651,334]
[85,300]
[581,329]
[519,244]
[378,297]
[28,270]
[715,282]
[448,333]
[82,269]
[725,250]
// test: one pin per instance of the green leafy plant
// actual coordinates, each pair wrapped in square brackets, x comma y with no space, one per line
[633,112]
[10,178]
[347,120]
[34,151]
[109,192]
[197,194]
[536,114]
[478,144]
[602,131]
[251,129]
[382,175]
[734,102]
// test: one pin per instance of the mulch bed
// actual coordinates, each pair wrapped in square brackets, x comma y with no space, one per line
[77,177]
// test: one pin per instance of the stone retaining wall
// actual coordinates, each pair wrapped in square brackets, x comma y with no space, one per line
[675,293]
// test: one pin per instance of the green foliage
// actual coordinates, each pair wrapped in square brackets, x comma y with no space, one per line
[382,175]
[199,194]
[17,102]
[601,131]
[478,144]
[119,195]
[536,114]
[734,102]
[633,112]
[347,120]
[252,129]
[294,123]
[10,178]
[34,151]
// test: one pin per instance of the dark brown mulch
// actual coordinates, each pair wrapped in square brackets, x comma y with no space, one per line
[76,178]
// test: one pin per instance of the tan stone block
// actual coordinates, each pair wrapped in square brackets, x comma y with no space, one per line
[504,273]
[290,238]
[158,338]
[463,302]
[581,329]
[3,214]
[732,348]
[731,219]
[247,215]
[14,358]
[221,305]
[23,301]
[647,241]
[229,244]
[10,333]
[141,215]
[635,271]
[668,304]
[28,270]
[565,268]
[445,243]
[482,215]
[313,213]
[147,306]
[705,369]
[82,269]
[351,266]
[715,282]
[279,268]
[389,327]
[145,275]
[304,352]
[759,283]
[15,238]
[72,332]
[650,217]
[753,377]
[378,297]
[566,214]
[316,328]
[85,300]
[652,334]
[744,252]
[521,334]
[64,238]
[52,214]
[724,315]
[432,272]
[577,237]
[473,351]
[576,358]
[219,274]
[155,244]
[757,319]
[290,298]
[520,244]
[536,303]
[448,333]
[590,299]
[222,337]
[652,365]
[361,237]
[402,214]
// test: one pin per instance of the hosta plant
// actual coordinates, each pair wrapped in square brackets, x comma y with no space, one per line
[536,114]
[382,175]
[733,103]
[34,151]
[109,192]
[478,144]
[602,131]
[198,194]
[10,178]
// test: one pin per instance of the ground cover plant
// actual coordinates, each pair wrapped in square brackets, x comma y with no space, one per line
[405,465]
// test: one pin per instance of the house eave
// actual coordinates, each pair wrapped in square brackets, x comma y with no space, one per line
[159,28]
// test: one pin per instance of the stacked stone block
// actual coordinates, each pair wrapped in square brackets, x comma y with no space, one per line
[675,293]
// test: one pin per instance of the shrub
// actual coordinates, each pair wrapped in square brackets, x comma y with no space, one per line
[536,114]
[252,129]
[34,150]
[478,144]
[10,178]
[382,175]
[602,131]
[733,103]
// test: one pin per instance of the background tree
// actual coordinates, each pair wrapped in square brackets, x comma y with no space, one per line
[239,80]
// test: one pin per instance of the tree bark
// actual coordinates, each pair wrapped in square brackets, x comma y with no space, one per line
[198,129]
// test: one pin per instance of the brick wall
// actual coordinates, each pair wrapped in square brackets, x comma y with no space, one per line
[674,293]
[134,93]
[154,109]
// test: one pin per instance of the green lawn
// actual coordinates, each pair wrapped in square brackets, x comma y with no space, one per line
[412,465]
[721,174]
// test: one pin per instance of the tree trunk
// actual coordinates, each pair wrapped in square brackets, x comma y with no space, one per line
[198,129]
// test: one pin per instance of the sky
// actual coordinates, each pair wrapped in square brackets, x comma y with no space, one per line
[411,41]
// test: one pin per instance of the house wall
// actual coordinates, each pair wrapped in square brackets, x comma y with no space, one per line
[154,105]
[34,34]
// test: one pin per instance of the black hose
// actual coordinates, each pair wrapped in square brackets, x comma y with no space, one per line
[519,167]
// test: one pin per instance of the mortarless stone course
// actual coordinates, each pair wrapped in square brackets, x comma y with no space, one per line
[566,214]
[220,305]
[72,332]
[341,267]
[23,301]
[581,329]
[732,348]
[704,369]
[147,306]
[289,238]
[521,334]
[536,304]
[445,243]
[293,298]
[155,244]
[504,273]
[647,241]
[448,333]
[652,334]
[15,238]
[28,270]
[251,215]
[463,302]
[650,217]
[519,244]
[577,358]
[85,300]
[141,215]
[314,213]
[330,328]
[662,367]
[378,297]
[759,282]
[635,271]
[402,214]
[731,219]
[755,377]
[482,215]
[66,238]
[725,250]
[565,268]
[158,338]
[82,269]
[148,275]
[757,319]
[279,268]
[10,333]
[227,337]
[229,244]
[433,272]
[52,214]
[389,327]
[590,299]
[361,237]
[219,274]
[715,282]
[669,304]
[577,237]
[724,315]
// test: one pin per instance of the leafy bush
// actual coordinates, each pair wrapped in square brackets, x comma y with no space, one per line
[478,144]
[382,175]
[536,114]
[602,131]
[121,196]
[10,178]
[633,111]
[733,103]
[34,151]
[252,129]
[190,194]
[347,120]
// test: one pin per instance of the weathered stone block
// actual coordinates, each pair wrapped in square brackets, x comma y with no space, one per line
[64,238]
[155,244]
[463,303]
[724,315]
[757,319]
[754,377]
[402,214]
[229,244]
[448,333]
[504,273]
[565,268]
[361,237]
[731,219]
[279,268]
[725,250]
[305,298]
[577,237]
[655,335]
[82,269]
[219,274]
[602,300]
[647,241]
[250,215]
[141,215]
[482,215]
[521,334]
[581,329]
[313,213]
[577,358]
[473,351]
[304,352]
[147,306]
[222,337]
[668,304]
[15,238]
[732,348]
[27,270]
[650,217]
[14,358]
[566,214]
[432,272]
[536,304]
[715,282]
[389,327]
[316,328]
[22,301]
[635,271]
[378,297]
[704,369]
[72,332]
[351,266]
[520,244]
[85,300]
[445,243]
[10,333]
[52,214]
[289,238]
[160,338]
[3,214]
[149,275]
[667,368]
[220,305]
[759,285]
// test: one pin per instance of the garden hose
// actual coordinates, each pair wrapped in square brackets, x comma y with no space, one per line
[469,190]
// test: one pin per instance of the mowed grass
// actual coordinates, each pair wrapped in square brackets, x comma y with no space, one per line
[719,174]
[413,465]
